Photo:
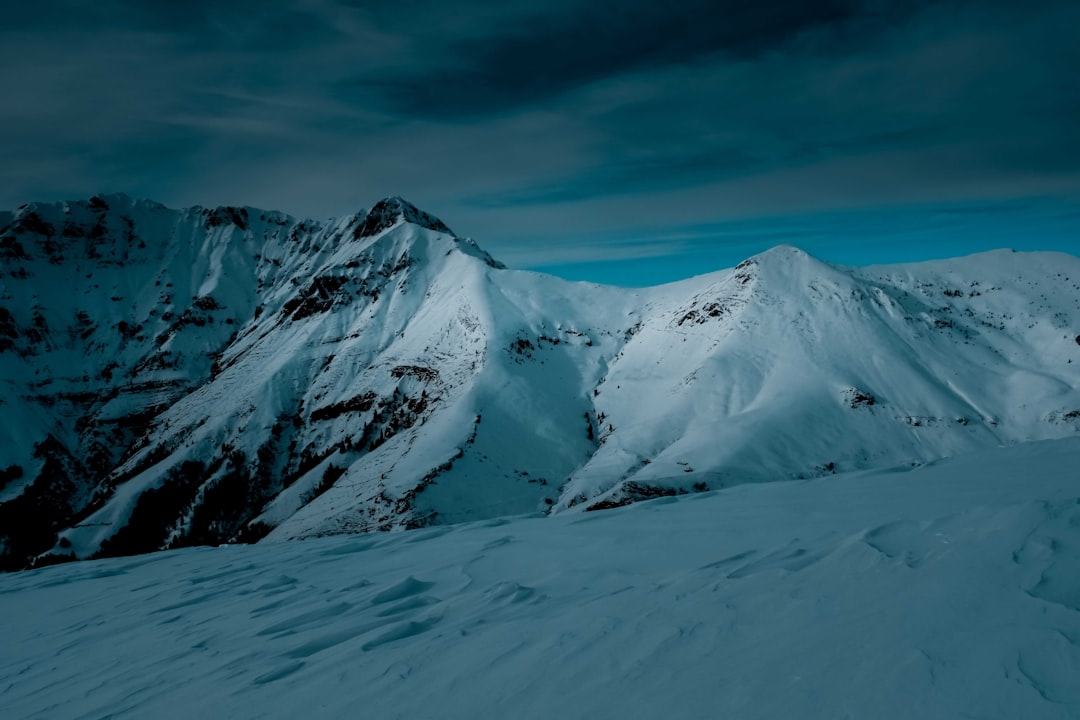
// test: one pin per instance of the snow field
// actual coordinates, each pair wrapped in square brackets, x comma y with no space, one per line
[951,590]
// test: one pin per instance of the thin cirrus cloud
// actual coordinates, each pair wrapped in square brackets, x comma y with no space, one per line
[564,133]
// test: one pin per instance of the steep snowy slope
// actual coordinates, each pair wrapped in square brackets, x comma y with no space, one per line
[788,367]
[110,311]
[207,376]
[949,591]
[784,367]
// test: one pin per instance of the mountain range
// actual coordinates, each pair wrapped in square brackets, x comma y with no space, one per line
[207,376]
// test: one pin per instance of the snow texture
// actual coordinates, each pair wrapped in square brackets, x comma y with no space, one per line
[946,591]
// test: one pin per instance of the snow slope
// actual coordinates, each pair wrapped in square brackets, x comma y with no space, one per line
[233,374]
[947,591]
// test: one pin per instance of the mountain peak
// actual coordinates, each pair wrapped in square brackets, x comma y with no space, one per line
[783,253]
[390,211]
[784,264]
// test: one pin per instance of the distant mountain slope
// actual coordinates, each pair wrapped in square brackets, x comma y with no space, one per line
[200,376]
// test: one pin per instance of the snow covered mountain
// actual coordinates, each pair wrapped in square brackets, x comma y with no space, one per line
[181,377]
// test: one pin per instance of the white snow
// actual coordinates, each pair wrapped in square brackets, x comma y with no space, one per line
[452,389]
[947,591]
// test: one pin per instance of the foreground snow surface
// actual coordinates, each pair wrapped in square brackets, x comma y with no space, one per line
[951,590]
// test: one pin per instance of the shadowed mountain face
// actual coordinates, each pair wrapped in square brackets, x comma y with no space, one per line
[179,377]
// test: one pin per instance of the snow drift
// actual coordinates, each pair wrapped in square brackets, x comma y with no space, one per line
[947,591]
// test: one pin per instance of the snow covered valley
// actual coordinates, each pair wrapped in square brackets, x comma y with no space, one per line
[945,591]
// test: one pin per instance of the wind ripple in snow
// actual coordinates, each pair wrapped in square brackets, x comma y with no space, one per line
[941,592]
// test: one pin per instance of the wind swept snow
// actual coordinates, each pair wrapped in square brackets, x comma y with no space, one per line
[946,591]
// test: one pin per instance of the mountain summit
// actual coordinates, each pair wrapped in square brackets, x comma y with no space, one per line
[390,211]
[233,374]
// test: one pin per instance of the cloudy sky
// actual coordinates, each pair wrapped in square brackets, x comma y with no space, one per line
[626,141]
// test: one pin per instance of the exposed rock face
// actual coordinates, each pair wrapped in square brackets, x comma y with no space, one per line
[391,211]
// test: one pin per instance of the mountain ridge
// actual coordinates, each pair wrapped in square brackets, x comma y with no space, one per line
[228,374]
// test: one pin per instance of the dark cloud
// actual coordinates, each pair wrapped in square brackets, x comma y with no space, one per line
[667,171]
[971,99]
[537,57]
[520,121]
